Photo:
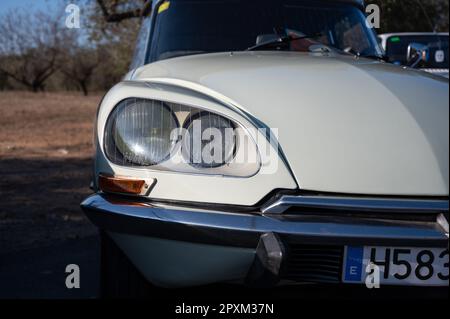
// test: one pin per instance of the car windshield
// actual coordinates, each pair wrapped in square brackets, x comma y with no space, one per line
[184,27]
[397,48]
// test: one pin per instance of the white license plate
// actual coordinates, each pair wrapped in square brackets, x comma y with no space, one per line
[397,265]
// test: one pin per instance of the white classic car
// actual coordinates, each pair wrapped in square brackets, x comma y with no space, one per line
[267,143]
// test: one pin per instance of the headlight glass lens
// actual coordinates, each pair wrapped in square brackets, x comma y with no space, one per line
[140,132]
[209,140]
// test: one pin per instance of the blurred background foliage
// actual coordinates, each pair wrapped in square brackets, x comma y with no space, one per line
[413,15]
[38,53]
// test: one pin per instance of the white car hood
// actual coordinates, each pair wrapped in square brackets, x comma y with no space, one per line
[345,125]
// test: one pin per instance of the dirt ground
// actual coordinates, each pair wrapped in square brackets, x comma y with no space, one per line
[45,167]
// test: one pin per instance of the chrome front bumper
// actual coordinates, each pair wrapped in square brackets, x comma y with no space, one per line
[244,237]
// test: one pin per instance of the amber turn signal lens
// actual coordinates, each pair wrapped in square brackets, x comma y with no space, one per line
[119,184]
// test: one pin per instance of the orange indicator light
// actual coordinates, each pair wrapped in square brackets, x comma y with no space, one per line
[120,184]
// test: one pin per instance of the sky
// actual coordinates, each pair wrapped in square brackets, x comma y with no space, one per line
[41,5]
[6,5]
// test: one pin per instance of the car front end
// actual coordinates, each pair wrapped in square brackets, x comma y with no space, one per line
[298,202]
[267,167]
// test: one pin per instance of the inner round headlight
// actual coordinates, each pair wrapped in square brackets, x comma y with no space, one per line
[141,131]
[210,140]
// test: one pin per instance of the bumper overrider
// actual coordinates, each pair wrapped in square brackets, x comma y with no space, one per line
[288,239]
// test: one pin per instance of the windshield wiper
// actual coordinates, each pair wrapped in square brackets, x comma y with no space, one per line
[381,57]
[281,40]
[378,57]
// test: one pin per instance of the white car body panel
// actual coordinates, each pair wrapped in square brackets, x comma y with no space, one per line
[346,125]
[162,260]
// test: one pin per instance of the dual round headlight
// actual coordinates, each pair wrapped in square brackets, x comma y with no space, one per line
[208,140]
[141,132]
[146,132]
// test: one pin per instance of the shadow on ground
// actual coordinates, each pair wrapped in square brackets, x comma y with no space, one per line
[39,272]
[42,228]
[39,202]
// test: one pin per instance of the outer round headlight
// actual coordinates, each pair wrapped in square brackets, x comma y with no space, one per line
[140,132]
[210,141]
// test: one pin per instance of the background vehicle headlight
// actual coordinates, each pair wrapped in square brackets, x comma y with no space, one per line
[140,132]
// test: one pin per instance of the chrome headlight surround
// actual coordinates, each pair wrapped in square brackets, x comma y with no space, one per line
[139,127]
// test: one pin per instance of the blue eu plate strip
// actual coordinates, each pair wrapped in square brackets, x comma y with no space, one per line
[354,264]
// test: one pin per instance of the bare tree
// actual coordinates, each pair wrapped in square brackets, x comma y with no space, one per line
[119,10]
[3,80]
[29,47]
[79,65]
[413,15]
[112,27]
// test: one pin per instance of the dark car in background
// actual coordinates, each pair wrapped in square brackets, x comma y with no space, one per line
[398,49]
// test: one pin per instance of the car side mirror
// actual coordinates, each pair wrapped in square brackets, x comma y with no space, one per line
[263,38]
[417,54]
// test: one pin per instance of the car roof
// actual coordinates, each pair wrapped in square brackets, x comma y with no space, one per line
[359,3]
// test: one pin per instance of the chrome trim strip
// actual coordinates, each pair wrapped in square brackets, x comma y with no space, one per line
[244,229]
[443,222]
[355,203]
